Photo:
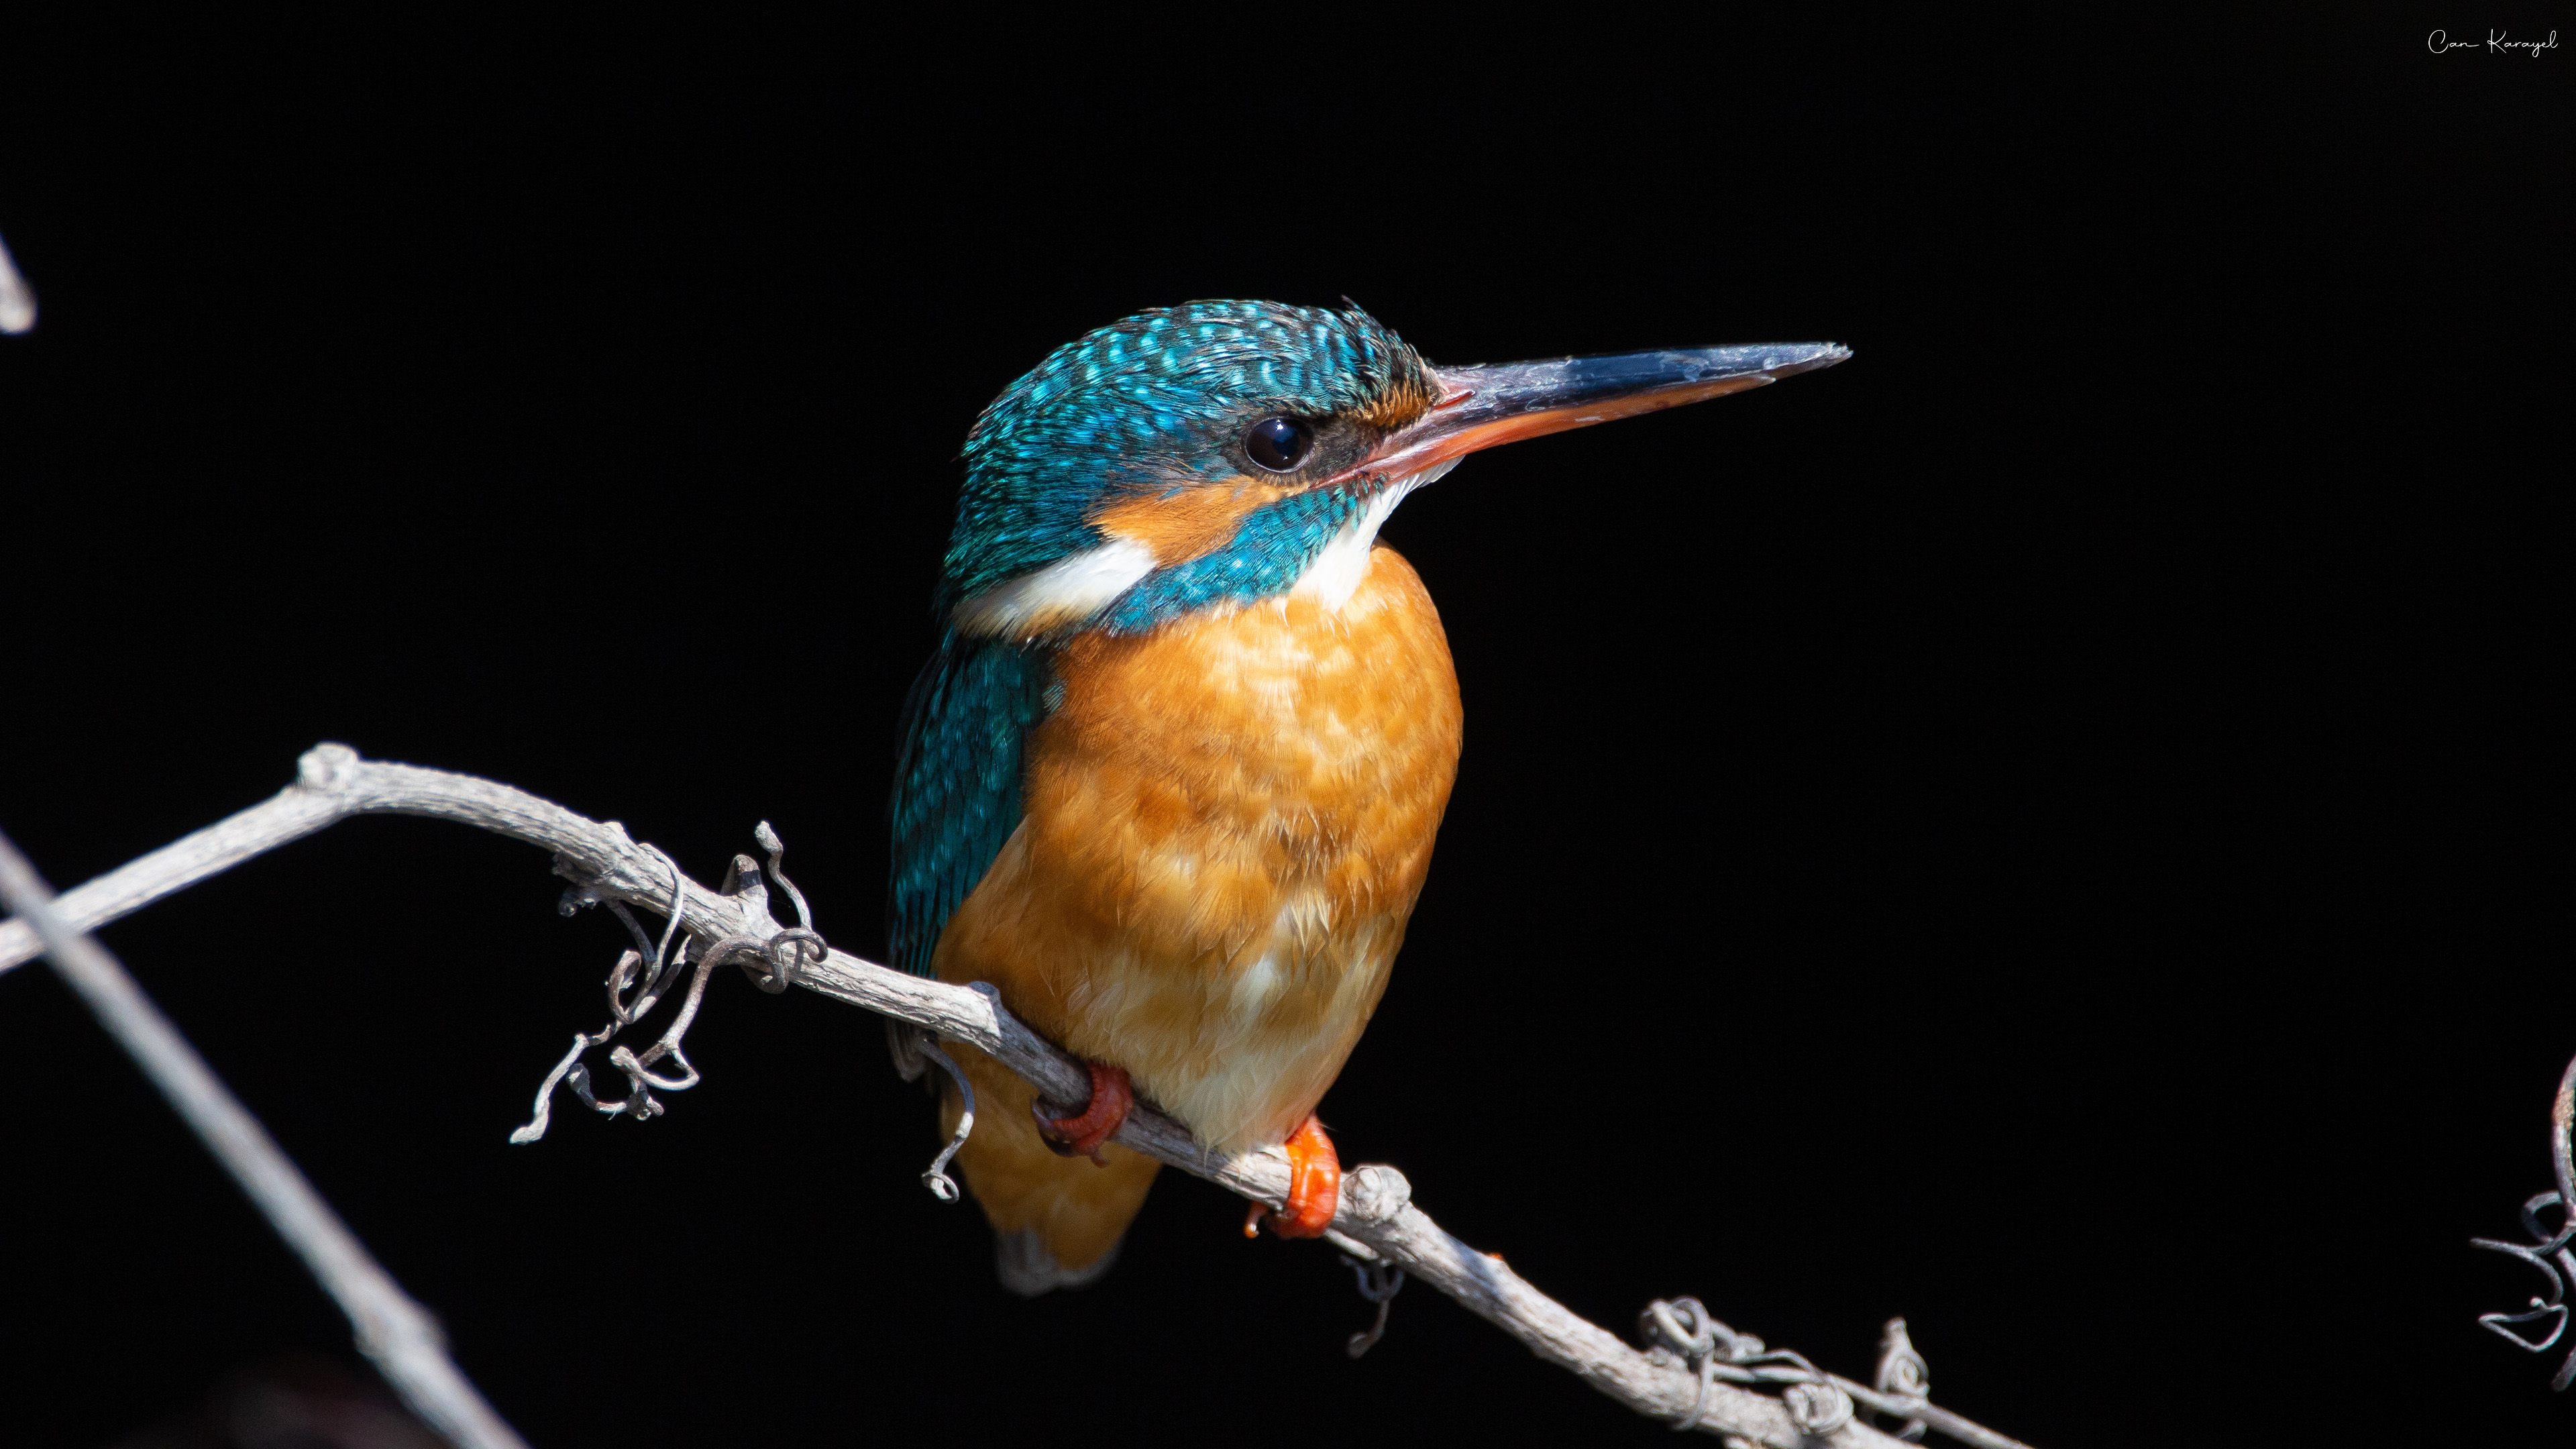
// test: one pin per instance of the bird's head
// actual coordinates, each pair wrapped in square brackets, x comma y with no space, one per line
[1221,452]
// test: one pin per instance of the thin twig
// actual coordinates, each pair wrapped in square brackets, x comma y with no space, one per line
[1375,1211]
[397,1333]
[17,300]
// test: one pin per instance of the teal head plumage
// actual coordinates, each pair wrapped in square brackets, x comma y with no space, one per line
[1163,403]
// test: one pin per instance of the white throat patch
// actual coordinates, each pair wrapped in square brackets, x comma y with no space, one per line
[1336,572]
[1071,590]
[1067,591]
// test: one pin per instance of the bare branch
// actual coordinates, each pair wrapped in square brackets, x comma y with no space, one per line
[1375,1219]
[397,1333]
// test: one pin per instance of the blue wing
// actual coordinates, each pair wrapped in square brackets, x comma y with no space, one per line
[957,789]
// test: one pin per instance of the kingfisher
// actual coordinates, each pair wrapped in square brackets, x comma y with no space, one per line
[1171,779]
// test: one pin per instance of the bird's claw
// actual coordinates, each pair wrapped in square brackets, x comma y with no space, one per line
[1314,1187]
[1082,1135]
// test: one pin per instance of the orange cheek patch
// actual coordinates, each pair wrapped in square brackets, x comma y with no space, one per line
[1187,523]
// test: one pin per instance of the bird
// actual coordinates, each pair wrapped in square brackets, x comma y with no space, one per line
[1171,779]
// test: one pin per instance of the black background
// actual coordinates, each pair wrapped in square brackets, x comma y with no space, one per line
[2051,828]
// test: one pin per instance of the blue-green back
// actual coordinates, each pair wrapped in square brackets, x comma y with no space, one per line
[957,792]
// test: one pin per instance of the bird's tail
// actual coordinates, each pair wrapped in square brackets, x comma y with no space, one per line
[1057,1221]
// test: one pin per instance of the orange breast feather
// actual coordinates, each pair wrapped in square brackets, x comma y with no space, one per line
[1227,823]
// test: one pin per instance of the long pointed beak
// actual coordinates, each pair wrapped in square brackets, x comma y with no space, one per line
[1505,402]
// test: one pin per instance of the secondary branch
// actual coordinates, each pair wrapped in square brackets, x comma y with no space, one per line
[397,1333]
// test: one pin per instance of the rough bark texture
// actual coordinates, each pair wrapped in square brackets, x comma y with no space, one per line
[1376,1217]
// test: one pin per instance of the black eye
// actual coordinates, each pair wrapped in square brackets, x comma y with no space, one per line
[1278,444]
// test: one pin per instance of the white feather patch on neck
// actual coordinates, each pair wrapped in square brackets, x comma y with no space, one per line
[1067,591]
[1336,572]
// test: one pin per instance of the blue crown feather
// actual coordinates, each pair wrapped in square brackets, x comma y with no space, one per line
[1150,401]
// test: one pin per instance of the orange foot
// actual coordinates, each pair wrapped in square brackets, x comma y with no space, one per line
[1111,1099]
[1314,1187]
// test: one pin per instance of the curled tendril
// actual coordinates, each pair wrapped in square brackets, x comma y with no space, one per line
[1380,1281]
[1902,1374]
[787,954]
[2548,1252]
[914,1054]
[1681,1329]
[644,976]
